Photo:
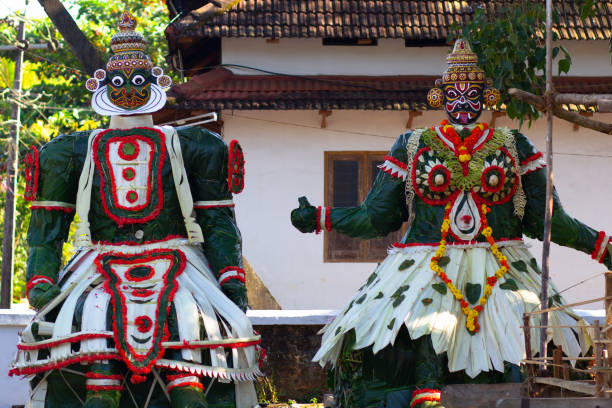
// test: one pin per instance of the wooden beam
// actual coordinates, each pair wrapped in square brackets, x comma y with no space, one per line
[411,115]
[558,111]
[587,402]
[494,116]
[324,114]
[84,50]
[576,386]
[575,126]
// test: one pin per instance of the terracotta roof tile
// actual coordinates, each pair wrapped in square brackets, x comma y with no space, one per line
[415,20]
[221,89]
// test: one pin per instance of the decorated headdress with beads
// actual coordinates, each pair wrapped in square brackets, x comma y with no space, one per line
[463,67]
[130,85]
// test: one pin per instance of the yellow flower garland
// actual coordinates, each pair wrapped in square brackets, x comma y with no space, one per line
[472,314]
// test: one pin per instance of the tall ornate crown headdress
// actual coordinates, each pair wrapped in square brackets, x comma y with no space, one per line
[129,54]
[463,67]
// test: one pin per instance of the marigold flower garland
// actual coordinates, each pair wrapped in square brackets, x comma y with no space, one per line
[472,314]
[464,147]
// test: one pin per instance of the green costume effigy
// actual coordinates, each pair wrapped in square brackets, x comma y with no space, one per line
[446,305]
[150,309]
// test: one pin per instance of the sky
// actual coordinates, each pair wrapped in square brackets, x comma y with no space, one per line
[10,6]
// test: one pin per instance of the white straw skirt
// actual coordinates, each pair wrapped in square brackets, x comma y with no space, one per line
[400,292]
[201,308]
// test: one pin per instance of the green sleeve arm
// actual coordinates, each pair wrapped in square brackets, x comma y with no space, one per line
[49,228]
[566,230]
[206,158]
[384,209]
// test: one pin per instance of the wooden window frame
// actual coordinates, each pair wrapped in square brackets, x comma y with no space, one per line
[365,182]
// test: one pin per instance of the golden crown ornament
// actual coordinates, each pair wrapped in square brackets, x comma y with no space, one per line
[462,67]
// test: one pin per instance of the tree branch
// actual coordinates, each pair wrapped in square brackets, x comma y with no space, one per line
[86,53]
[558,111]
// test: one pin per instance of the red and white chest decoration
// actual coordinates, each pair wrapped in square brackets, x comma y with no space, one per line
[129,164]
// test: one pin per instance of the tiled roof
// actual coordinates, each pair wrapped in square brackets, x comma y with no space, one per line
[221,89]
[415,20]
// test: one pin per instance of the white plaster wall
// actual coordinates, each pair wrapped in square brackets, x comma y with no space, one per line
[307,56]
[284,160]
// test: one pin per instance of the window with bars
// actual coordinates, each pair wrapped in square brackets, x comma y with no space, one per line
[348,178]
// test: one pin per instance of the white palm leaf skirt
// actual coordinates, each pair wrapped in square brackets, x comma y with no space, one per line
[216,338]
[403,290]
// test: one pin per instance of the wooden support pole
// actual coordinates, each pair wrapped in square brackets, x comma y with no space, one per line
[528,355]
[549,184]
[598,351]
[558,362]
[8,238]
[608,309]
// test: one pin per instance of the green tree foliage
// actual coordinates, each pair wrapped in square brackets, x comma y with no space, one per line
[511,49]
[54,99]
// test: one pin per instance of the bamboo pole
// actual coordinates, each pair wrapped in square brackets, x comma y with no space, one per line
[549,181]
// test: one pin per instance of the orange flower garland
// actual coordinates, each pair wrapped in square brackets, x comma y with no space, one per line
[464,147]
[472,314]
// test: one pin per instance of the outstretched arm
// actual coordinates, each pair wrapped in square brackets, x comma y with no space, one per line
[566,230]
[382,212]
[53,193]
[208,162]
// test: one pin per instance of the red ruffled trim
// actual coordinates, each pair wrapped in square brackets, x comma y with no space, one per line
[80,337]
[451,243]
[262,356]
[67,210]
[424,398]
[32,171]
[598,244]
[531,158]
[92,358]
[187,345]
[204,207]
[142,257]
[186,384]
[160,194]
[98,376]
[318,227]
[398,163]
[235,177]
[328,225]
[131,243]
[38,279]
[240,277]
[172,377]
[103,387]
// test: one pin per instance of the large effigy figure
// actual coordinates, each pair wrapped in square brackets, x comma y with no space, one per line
[150,309]
[446,305]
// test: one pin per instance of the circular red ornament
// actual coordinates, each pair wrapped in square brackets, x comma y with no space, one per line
[131,196]
[129,150]
[493,171]
[128,173]
[144,323]
[438,170]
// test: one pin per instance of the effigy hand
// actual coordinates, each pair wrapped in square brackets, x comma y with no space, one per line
[236,291]
[41,294]
[304,218]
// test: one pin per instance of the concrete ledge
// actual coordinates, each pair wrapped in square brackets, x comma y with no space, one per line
[15,317]
[314,317]
[291,317]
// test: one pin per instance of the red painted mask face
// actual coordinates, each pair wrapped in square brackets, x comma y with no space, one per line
[463,102]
